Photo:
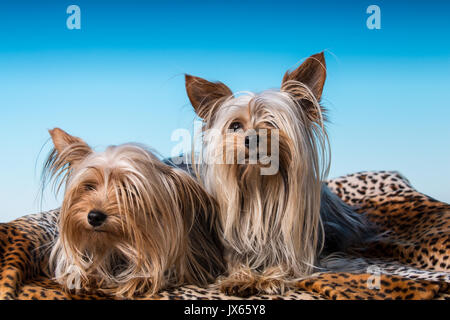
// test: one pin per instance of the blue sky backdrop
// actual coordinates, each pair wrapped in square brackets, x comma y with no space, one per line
[120,78]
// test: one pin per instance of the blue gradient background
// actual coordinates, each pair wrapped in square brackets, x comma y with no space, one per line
[120,78]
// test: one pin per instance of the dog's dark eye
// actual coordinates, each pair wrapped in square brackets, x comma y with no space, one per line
[89,187]
[235,126]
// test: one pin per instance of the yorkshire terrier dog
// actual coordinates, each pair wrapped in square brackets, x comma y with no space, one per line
[264,158]
[129,224]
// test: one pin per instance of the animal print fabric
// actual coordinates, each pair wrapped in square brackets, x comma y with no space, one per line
[409,261]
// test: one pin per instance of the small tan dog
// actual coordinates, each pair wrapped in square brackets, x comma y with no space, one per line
[275,222]
[129,224]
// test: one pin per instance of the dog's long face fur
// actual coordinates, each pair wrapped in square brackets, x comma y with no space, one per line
[129,224]
[268,219]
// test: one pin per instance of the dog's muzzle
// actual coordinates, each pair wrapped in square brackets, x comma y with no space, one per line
[250,140]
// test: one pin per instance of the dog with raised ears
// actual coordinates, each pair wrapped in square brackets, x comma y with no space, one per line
[264,158]
[129,224]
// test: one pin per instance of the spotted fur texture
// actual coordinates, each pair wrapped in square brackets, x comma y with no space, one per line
[411,260]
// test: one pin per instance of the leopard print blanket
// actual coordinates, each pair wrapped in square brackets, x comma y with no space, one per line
[409,261]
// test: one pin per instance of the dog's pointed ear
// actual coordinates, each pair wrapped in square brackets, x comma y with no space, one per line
[312,73]
[204,94]
[67,152]
[72,148]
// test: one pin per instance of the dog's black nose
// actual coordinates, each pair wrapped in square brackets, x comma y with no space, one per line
[251,138]
[96,218]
